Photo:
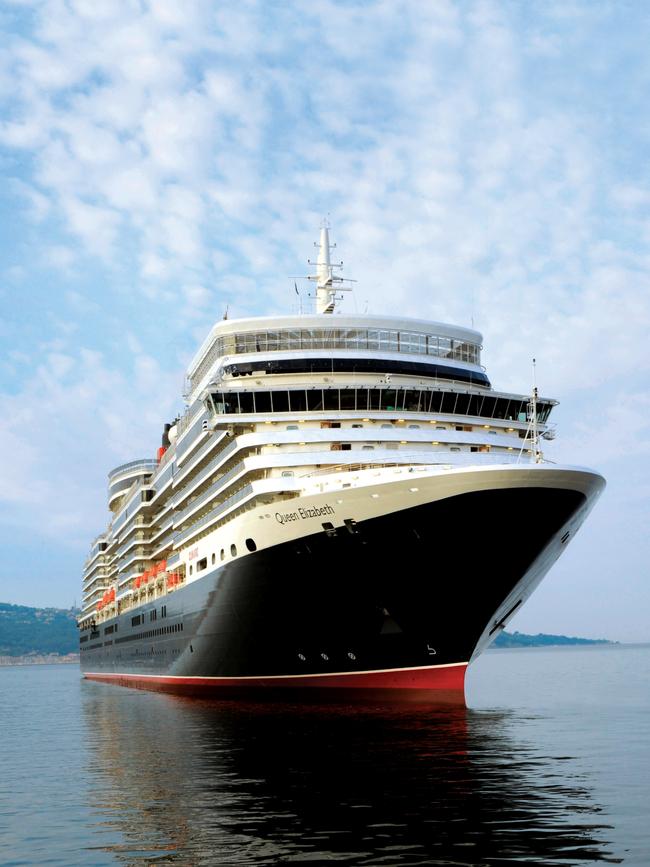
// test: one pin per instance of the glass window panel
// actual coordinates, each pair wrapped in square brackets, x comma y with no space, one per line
[487,407]
[315,399]
[474,404]
[462,404]
[448,401]
[246,402]
[373,339]
[412,400]
[280,401]
[298,401]
[389,399]
[331,398]
[262,401]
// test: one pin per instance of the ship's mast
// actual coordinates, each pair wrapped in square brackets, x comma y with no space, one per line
[326,281]
[532,407]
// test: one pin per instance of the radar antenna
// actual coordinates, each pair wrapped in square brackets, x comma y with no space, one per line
[327,284]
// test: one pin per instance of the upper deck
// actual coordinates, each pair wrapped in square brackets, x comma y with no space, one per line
[361,334]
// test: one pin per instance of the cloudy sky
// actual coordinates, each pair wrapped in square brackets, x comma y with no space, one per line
[479,161]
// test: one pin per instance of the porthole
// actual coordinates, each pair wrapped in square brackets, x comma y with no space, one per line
[222,555]
[233,550]
[191,567]
[250,544]
[214,559]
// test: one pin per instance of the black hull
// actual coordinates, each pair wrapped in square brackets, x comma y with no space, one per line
[407,591]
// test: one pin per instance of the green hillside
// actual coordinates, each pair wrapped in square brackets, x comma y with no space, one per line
[26,630]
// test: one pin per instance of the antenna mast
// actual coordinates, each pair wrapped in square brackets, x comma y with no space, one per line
[537,453]
[326,293]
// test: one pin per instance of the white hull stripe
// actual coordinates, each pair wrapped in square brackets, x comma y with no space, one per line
[272,676]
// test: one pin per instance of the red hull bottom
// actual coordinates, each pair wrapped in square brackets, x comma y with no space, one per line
[442,683]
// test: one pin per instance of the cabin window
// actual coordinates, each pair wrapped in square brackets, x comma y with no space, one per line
[202,564]
[233,550]
[222,554]
[250,544]
[191,567]
[214,559]
[346,447]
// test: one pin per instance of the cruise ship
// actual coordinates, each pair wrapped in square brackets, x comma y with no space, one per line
[346,507]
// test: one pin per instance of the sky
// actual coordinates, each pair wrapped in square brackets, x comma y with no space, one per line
[480,163]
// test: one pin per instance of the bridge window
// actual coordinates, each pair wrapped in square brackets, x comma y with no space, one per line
[398,400]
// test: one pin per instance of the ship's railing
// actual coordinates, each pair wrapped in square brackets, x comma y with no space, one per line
[138,538]
[181,537]
[219,442]
[147,464]
[167,525]
[219,483]
[218,459]
[421,461]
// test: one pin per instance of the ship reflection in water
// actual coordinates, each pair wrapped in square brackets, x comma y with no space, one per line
[180,781]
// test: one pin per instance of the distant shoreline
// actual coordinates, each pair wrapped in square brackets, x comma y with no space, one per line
[41,659]
[507,640]
[46,636]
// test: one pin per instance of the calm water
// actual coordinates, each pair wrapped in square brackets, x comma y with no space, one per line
[549,765]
